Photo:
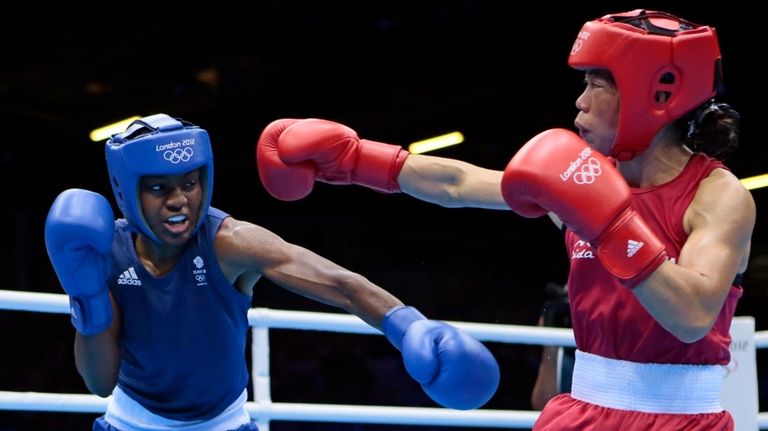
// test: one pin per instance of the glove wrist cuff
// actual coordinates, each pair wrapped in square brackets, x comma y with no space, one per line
[396,322]
[631,251]
[91,314]
[378,165]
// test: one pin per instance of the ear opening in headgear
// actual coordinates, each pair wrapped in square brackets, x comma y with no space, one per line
[667,79]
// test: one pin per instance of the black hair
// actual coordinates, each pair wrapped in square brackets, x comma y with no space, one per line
[712,129]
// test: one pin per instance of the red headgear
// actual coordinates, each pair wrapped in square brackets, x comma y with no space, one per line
[663,66]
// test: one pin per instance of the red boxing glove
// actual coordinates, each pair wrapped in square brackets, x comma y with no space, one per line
[556,171]
[292,154]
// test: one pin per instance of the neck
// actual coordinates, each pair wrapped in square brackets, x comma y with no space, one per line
[157,258]
[661,162]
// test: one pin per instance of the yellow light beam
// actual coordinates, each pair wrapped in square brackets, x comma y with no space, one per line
[105,132]
[435,143]
[755,182]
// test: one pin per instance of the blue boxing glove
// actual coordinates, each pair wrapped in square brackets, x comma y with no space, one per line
[454,369]
[78,235]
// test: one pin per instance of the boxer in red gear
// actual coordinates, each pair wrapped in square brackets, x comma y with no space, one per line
[651,356]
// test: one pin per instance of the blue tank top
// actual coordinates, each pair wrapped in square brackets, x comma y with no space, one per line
[183,334]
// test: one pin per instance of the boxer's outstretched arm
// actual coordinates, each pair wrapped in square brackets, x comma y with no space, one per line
[292,154]
[451,183]
[453,368]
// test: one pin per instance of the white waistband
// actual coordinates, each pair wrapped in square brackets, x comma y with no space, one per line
[125,414]
[649,388]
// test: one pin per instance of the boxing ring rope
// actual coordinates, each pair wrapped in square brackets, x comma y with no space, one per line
[263,410]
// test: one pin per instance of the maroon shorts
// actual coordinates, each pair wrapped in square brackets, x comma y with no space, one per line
[564,413]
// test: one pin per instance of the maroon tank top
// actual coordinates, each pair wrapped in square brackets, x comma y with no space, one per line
[609,321]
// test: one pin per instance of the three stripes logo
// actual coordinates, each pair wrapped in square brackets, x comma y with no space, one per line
[129,277]
[633,247]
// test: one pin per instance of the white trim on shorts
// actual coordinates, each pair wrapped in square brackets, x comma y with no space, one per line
[125,414]
[648,388]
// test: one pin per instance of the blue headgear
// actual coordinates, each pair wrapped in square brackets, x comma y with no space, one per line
[157,145]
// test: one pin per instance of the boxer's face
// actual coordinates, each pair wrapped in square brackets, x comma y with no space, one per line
[598,116]
[171,205]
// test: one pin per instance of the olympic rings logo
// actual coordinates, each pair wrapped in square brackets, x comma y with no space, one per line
[579,42]
[588,172]
[178,155]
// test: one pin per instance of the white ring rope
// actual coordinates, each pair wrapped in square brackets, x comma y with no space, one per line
[31,301]
[264,410]
[307,320]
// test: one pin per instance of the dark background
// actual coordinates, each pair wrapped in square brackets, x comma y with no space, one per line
[396,72]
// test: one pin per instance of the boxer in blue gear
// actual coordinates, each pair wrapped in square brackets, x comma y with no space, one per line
[160,298]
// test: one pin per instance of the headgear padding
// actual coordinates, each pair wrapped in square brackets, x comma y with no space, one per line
[157,145]
[663,66]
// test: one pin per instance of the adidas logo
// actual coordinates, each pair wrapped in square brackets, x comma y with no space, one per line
[632,247]
[129,277]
